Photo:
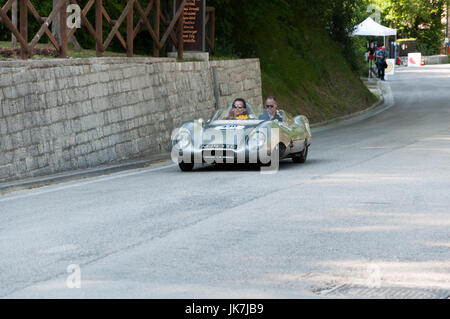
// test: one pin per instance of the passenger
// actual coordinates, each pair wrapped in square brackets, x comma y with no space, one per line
[271,113]
[239,110]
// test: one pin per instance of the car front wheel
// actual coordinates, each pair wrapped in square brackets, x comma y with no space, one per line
[301,157]
[186,167]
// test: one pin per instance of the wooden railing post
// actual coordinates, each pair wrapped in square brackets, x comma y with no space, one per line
[14,22]
[173,28]
[63,31]
[180,35]
[130,29]
[24,28]
[99,26]
[213,30]
[156,26]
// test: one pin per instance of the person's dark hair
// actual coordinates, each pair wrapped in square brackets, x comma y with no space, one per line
[271,97]
[241,100]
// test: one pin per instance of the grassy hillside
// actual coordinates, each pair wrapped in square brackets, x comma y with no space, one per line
[301,46]
[316,81]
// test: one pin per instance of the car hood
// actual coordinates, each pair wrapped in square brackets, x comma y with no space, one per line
[228,132]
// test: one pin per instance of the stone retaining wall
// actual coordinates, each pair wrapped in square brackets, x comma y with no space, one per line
[58,115]
[436,59]
[431,59]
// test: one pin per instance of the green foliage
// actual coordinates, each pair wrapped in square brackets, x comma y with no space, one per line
[419,19]
[307,57]
[244,28]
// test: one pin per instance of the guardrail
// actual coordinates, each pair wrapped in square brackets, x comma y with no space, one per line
[165,27]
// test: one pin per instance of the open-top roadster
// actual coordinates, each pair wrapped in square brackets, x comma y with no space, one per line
[228,139]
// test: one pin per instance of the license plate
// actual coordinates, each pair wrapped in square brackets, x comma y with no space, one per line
[219,146]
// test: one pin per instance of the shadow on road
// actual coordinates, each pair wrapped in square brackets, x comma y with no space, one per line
[284,164]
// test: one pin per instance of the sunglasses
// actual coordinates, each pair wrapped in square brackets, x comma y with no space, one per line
[238,106]
[270,106]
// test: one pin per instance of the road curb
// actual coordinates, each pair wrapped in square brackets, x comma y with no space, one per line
[340,119]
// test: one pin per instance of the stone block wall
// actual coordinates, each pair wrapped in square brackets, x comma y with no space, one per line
[431,59]
[58,115]
[436,59]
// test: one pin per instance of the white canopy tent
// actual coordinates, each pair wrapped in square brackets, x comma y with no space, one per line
[371,28]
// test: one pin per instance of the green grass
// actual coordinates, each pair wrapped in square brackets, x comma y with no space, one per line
[315,81]
[222,57]
[92,53]
[83,53]
[189,60]
[6,44]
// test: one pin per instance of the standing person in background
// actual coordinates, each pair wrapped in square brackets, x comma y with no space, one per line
[381,57]
[371,51]
[371,57]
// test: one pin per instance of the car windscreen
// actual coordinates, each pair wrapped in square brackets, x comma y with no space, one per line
[233,114]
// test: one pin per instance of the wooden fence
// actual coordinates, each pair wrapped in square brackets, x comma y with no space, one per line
[161,26]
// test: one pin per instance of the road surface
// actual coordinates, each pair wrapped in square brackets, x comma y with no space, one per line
[368,215]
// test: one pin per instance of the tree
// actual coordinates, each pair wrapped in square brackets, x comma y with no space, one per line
[419,19]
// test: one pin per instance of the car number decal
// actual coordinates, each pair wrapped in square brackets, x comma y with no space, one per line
[230,127]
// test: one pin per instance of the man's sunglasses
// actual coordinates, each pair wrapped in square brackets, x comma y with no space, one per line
[238,106]
[269,106]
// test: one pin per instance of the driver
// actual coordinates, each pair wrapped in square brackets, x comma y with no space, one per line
[272,112]
[239,110]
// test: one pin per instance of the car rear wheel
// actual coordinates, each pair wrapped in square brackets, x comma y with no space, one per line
[301,157]
[186,167]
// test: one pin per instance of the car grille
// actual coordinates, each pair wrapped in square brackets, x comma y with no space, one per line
[218,153]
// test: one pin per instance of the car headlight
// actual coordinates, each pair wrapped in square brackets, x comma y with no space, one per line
[183,139]
[257,139]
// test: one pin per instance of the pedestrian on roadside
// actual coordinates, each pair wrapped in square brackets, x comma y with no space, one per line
[381,57]
[371,51]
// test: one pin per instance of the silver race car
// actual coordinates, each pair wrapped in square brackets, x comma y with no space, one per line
[227,138]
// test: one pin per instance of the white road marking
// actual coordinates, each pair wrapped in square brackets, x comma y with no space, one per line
[91,181]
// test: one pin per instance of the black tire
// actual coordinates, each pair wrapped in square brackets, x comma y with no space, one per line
[301,157]
[186,167]
[281,151]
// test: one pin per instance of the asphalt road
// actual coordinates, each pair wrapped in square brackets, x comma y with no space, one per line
[370,210]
